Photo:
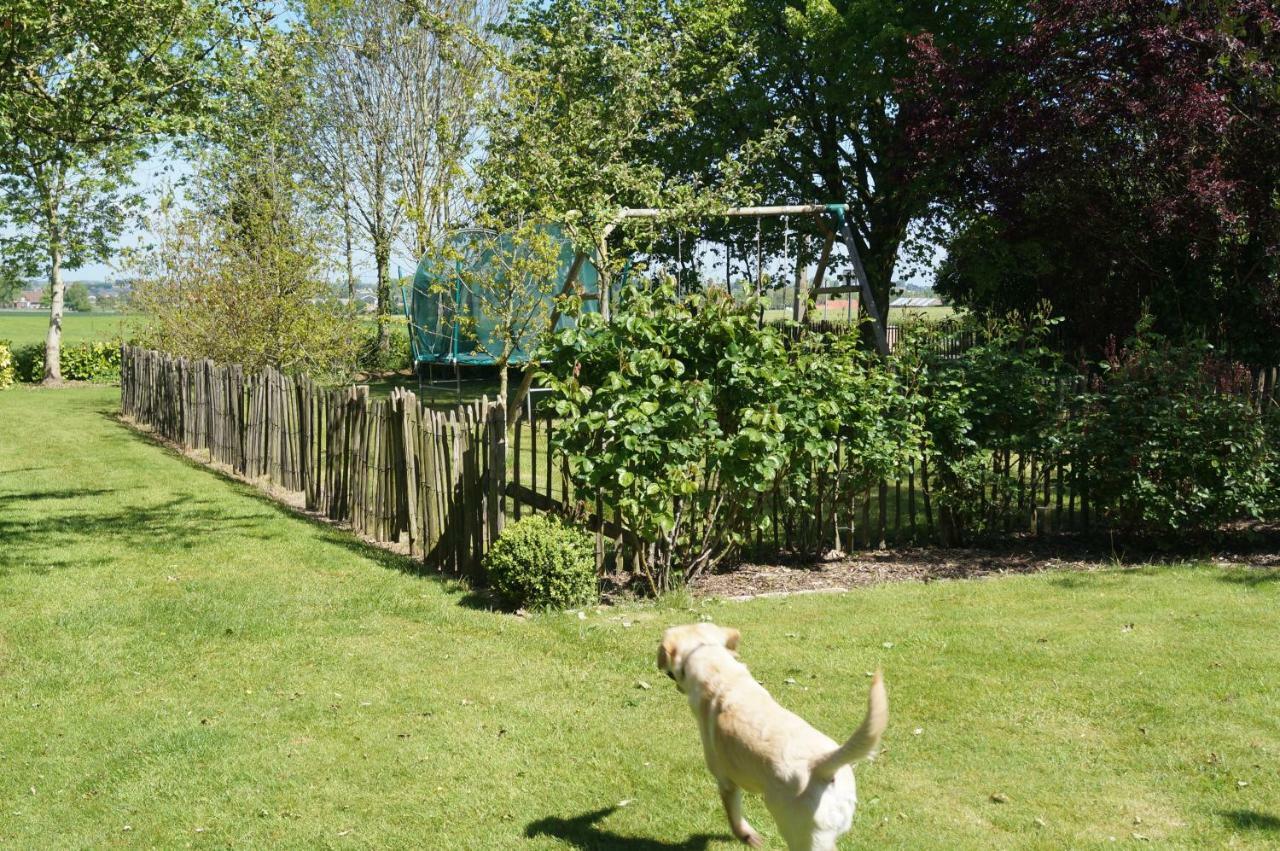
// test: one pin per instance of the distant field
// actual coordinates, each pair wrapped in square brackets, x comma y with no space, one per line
[840,314]
[24,327]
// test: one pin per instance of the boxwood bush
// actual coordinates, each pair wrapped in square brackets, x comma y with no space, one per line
[540,563]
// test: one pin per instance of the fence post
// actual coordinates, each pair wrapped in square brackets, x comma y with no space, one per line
[497,442]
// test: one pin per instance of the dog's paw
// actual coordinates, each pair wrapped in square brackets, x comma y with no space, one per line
[750,838]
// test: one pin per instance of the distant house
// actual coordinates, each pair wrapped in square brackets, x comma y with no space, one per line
[29,300]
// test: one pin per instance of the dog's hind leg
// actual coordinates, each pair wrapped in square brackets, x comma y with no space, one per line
[731,796]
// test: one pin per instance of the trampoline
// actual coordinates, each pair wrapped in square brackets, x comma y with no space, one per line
[449,322]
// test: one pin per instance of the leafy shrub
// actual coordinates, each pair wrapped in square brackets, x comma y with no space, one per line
[244,279]
[91,361]
[1271,430]
[683,413]
[28,362]
[6,365]
[1002,394]
[539,563]
[1174,443]
[399,354]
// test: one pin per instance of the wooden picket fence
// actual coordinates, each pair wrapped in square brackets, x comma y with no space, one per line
[392,470]
[1018,495]
[442,484]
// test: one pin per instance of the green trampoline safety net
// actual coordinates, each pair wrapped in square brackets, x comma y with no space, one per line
[450,317]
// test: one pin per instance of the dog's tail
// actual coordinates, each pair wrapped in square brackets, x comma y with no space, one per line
[865,739]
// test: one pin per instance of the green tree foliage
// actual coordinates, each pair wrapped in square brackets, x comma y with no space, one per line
[241,276]
[829,72]
[247,289]
[86,89]
[77,298]
[11,283]
[510,282]
[589,89]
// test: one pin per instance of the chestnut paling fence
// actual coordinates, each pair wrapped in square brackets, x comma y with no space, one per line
[443,484]
[391,469]
[1017,494]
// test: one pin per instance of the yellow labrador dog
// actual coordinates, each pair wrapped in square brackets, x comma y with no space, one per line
[752,743]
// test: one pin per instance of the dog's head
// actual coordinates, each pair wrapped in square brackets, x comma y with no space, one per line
[679,642]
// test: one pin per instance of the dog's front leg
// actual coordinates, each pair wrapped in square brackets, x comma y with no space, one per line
[731,796]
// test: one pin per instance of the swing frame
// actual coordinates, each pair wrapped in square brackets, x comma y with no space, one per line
[833,221]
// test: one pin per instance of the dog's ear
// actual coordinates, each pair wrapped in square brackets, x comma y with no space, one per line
[731,637]
[664,657]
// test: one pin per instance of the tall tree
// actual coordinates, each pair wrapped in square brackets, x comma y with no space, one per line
[444,67]
[590,87]
[1119,156]
[240,273]
[828,71]
[593,92]
[360,114]
[86,90]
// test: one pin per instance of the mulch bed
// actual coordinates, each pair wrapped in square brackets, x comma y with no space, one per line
[1255,546]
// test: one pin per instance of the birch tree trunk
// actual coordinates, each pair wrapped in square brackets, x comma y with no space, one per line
[57,293]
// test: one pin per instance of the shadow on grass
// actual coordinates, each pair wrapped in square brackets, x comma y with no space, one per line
[1251,577]
[1117,572]
[477,599]
[1251,820]
[38,541]
[14,471]
[582,832]
[35,496]
[331,533]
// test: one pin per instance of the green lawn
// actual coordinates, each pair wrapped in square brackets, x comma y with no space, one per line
[24,327]
[185,663]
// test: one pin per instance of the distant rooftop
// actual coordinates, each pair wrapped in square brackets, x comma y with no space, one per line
[915,301]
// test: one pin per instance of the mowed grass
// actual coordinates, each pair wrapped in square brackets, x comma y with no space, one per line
[25,327]
[183,663]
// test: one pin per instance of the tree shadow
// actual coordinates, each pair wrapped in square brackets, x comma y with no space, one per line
[14,471]
[67,493]
[38,542]
[333,532]
[1251,820]
[582,832]
[1251,577]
